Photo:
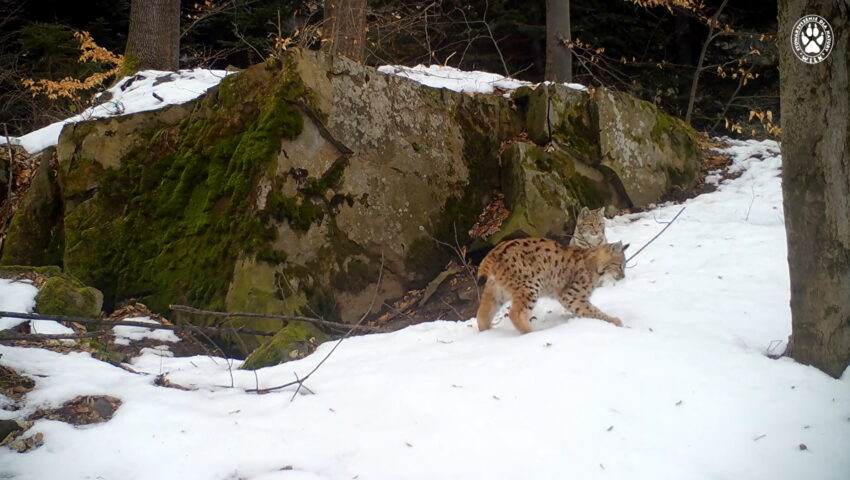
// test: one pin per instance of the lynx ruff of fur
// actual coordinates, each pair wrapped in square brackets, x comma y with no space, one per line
[526,269]
[590,228]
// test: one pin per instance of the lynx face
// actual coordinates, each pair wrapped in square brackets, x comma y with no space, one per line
[590,228]
[526,269]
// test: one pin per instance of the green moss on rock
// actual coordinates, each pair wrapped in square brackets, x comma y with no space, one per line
[169,224]
[62,295]
[294,341]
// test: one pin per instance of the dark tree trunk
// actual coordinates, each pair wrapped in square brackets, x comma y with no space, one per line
[559,66]
[815,106]
[153,41]
[345,28]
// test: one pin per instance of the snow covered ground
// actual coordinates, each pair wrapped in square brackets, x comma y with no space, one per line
[685,391]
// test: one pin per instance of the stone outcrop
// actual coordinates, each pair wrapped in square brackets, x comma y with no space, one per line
[294,184]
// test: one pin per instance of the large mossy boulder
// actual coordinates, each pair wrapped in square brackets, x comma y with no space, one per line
[303,174]
[292,186]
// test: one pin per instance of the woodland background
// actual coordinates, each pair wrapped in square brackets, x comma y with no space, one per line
[650,49]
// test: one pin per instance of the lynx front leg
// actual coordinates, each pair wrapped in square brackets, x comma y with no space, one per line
[588,310]
[581,307]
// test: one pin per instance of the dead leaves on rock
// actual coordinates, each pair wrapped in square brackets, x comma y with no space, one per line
[14,385]
[11,432]
[491,219]
[83,410]
[23,170]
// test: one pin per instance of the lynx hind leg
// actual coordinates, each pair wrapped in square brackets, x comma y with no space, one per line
[491,299]
[520,311]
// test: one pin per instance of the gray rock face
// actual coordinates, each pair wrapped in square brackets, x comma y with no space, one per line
[649,150]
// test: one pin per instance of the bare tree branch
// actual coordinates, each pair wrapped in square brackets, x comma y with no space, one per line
[656,235]
[153,326]
[288,318]
[38,337]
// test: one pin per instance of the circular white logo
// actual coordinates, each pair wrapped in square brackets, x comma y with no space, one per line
[811,39]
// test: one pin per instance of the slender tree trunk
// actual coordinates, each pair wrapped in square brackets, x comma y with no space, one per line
[559,67]
[815,105]
[153,41]
[712,34]
[345,28]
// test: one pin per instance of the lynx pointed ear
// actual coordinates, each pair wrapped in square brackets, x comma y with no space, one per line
[584,211]
[626,246]
[618,247]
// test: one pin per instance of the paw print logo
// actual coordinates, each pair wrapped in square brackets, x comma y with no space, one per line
[811,39]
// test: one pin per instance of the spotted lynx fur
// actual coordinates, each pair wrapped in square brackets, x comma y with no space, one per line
[526,269]
[590,228]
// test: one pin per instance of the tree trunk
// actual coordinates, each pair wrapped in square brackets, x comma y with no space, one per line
[559,66]
[815,105]
[345,28]
[153,41]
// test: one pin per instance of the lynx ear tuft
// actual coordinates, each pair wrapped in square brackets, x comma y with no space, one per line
[584,211]
[626,246]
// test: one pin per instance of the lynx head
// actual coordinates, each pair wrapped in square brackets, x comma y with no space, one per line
[590,228]
[610,261]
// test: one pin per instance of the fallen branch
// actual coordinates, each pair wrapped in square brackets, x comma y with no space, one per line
[317,321]
[153,326]
[300,381]
[656,235]
[38,337]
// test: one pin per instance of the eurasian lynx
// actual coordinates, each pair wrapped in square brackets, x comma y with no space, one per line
[590,228]
[523,270]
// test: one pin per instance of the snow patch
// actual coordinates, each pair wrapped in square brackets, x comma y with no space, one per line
[147,90]
[124,334]
[16,297]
